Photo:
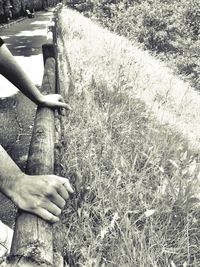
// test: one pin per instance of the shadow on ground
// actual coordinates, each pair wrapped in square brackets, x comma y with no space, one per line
[22,45]
[16,121]
[25,38]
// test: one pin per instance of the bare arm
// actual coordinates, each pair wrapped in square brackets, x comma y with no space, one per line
[44,195]
[11,70]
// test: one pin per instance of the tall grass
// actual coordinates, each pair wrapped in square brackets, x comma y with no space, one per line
[136,181]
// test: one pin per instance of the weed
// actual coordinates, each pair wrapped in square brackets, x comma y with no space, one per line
[134,179]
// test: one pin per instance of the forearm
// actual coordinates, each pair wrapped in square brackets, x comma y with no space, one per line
[9,172]
[11,70]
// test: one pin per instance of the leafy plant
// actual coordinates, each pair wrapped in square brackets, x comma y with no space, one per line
[167,28]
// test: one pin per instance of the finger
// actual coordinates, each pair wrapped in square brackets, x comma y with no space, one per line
[58,199]
[60,98]
[62,191]
[52,208]
[65,182]
[67,185]
[64,105]
[46,215]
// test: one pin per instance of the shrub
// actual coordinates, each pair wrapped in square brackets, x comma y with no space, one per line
[167,28]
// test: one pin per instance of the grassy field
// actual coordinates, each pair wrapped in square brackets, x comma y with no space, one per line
[136,177]
[169,29]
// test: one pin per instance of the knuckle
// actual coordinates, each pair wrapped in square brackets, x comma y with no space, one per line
[29,206]
[65,196]
[55,184]
[58,184]
[66,183]
[35,205]
[49,191]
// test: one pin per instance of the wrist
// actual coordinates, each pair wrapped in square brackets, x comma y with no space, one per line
[40,100]
[12,185]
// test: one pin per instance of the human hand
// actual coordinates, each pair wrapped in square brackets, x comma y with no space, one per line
[53,101]
[43,195]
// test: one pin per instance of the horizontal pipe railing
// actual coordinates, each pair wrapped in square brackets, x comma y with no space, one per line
[32,243]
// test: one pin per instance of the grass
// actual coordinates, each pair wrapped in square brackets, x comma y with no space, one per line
[136,180]
[169,29]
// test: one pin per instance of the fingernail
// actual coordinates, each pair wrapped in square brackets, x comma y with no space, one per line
[72,191]
[56,220]
[69,108]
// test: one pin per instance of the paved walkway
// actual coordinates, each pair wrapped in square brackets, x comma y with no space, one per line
[25,40]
